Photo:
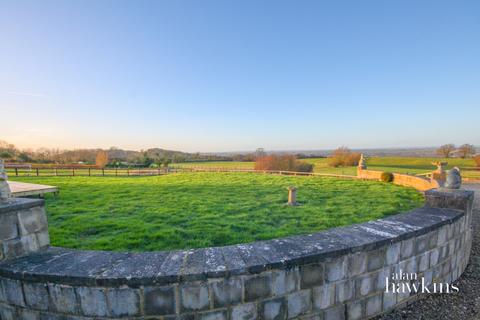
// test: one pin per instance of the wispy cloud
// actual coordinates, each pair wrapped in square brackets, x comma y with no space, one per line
[25,94]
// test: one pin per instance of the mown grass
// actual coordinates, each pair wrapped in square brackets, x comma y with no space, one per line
[191,210]
[392,164]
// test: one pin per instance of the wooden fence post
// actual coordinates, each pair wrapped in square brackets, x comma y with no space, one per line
[37,172]
[103,172]
[89,173]
[116,172]
[73,172]
[16,172]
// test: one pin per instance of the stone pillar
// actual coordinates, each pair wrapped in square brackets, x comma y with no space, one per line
[23,223]
[292,196]
[23,227]
[4,187]
[362,163]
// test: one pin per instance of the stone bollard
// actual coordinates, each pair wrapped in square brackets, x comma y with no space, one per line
[362,163]
[292,196]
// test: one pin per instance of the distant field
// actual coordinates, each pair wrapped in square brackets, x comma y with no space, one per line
[393,164]
[191,210]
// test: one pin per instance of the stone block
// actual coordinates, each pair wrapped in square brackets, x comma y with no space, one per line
[432,239]
[8,226]
[43,238]
[373,305]
[365,285]
[226,292]
[409,266]
[299,303]
[375,259]
[247,311]
[393,253]
[355,310]
[159,300]
[36,295]
[258,287]
[344,290]
[389,300]
[407,249]
[93,301]
[123,302]
[26,314]
[357,263]
[194,297]
[20,246]
[285,281]
[13,292]
[213,315]
[423,261]
[382,276]
[274,309]
[323,296]
[311,275]
[442,236]
[335,313]
[62,298]
[8,313]
[434,257]
[32,220]
[336,269]
[421,244]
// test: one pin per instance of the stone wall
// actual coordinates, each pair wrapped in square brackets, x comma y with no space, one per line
[23,227]
[407,180]
[336,274]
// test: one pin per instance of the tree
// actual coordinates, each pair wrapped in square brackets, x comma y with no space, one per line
[101,159]
[477,160]
[466,150]
[343,157]
[282,163]
[446,150]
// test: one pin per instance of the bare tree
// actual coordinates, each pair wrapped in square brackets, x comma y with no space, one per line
[446,150]
[466,150]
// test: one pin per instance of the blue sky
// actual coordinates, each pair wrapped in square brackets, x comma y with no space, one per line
[236,75]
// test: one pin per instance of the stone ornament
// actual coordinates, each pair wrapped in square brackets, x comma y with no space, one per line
[454,179]
[5,192]
[292,196]
[362,163]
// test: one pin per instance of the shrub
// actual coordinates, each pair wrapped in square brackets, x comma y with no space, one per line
[304,167]
[477,160]
[386,177]
[343,157]
[282,163]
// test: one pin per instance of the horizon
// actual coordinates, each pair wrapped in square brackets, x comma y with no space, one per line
[215,76]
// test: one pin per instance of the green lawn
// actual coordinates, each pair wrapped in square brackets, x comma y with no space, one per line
[191,210]
[392,164]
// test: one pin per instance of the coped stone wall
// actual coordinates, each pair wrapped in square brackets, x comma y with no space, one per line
[407,180]
[336,274]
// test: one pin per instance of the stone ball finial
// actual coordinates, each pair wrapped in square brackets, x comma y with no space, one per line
[5,192]
[454,179]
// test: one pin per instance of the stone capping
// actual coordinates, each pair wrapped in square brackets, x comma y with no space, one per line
[16,204]
[113,269]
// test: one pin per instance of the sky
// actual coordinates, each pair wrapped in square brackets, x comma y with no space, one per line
[227,75]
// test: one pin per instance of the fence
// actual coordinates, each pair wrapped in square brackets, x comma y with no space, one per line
[86,172]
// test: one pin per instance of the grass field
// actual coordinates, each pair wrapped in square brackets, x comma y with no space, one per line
[191,210]
[392,164]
